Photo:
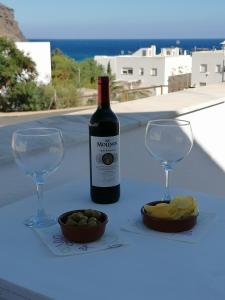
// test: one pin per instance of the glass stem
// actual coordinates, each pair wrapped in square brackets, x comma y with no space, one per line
[40,185]
[167,196]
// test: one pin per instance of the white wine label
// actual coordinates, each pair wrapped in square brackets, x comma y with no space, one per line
[105,161]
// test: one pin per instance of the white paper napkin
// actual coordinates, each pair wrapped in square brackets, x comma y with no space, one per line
[191,236]
[55,241]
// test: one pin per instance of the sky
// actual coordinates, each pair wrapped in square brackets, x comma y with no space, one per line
[122,19]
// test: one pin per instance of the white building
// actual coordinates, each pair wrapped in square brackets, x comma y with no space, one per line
[147,67]
[208,66]
[40,53]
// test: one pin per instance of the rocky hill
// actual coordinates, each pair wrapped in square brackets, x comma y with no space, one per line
[8,25]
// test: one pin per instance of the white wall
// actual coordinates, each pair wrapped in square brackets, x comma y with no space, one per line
[135,62]
[151,51]
[208,125]
[147,63]
[177,65]
[211,59]
[40,53]
[170,51]
[165,65]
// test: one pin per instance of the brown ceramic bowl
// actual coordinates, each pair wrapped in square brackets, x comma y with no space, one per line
[167,225]
[82,234]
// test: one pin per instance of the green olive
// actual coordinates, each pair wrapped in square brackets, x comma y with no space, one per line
[82,222]
[71,222]
[70,218]
[92,224]
[88,212]
[96,214]
[77,216]
[92,219]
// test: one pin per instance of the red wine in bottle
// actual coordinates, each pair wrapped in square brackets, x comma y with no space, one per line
[104,145]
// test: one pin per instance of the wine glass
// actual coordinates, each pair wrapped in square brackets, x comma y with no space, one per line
[168,141]
[38,152]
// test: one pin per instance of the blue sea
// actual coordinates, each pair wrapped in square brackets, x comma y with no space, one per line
[82,49]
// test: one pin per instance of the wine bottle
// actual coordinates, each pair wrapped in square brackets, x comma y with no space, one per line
[104,146]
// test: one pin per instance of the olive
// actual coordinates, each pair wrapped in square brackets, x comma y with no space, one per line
[70,218]
[82,222]
[92,219]
[96,214]
[92,223]
[77,216]
[71,222]
[88,212]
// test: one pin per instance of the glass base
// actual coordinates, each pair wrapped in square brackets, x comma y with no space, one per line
[35,222]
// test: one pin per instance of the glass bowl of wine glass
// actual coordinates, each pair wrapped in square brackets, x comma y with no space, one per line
[38,152]
[168,141]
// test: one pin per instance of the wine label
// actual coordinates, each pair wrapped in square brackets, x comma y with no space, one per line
[105,161]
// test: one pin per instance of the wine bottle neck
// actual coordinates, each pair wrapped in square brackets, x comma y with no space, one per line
[103,93]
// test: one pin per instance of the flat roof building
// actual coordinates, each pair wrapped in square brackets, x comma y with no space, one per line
[208,66]
[147,68]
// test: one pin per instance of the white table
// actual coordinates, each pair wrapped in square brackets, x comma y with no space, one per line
[148,268]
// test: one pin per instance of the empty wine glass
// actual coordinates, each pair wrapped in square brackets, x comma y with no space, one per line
[168,141]
[38,152]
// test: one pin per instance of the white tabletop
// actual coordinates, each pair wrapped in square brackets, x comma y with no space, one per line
[149,267]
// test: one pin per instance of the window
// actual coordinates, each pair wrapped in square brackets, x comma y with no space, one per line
[144,52]
[141,71]
[218,69]
[153,72]
[203,68]
[127,71]
[202,83]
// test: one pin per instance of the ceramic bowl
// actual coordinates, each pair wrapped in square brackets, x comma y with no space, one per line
[167,225]
[82,234]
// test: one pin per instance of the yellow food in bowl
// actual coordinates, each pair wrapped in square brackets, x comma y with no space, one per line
[179,207]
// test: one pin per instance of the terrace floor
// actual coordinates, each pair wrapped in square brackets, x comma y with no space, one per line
[203,170]
[172,263]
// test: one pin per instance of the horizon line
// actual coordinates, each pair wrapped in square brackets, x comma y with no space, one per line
[162,38]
